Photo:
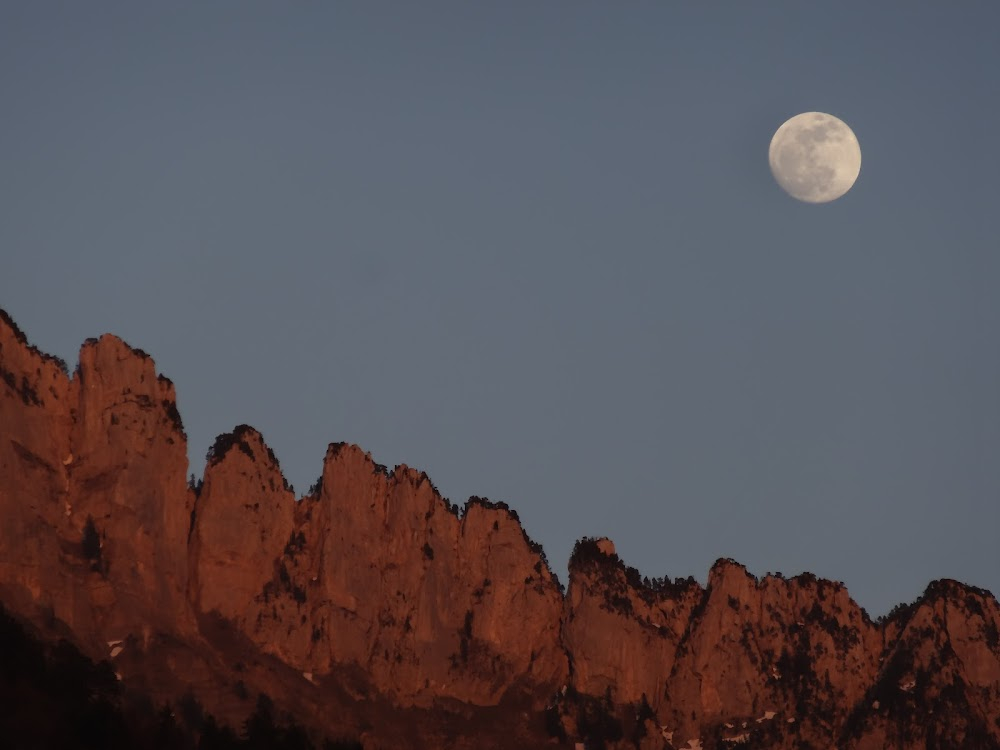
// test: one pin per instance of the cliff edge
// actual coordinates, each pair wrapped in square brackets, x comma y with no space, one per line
[374,606]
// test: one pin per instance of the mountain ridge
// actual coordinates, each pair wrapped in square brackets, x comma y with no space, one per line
[375,594]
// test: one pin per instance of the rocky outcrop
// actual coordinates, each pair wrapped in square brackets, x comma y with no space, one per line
[126,471]
[783,663]
[938,684]
[798,649]
[35,426]
[102,452]
[375,569]
[623,633]
[375,594]
[242,522]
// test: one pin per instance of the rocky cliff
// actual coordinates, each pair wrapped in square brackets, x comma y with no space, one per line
[373,606]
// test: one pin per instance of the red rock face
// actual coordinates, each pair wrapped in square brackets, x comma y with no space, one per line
[108,446]
[127,472]
[242,522]
[784,663]
[939,680]
[623,636]
[799,649]
[374,591]
[35,425]
[378,571]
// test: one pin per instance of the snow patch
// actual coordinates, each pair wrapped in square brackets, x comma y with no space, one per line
[116,650]
[694,744]
[768,715]
[309,676]
[738,739]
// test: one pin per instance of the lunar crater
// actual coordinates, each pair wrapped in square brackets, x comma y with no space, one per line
[815,157]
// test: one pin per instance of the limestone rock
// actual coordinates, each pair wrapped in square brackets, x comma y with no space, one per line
[939,680]
[105,446]
[800,648]
[129,475]
[623,634]
[376,595]
[35,426]
[243,521]
[381,573]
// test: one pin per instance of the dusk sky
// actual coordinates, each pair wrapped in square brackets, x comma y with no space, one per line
[535,249]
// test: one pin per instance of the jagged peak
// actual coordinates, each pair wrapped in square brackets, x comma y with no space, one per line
[597,556]
[334,450]
[725,564]
[15,329]
[806,579]
[635,651]
[949,588]
[481,504]
[250,442]
[941,590]
[938,590]
[6,321]
[110,351]
[415,477]
[348,455]
[593,551]
[226,441]
[110,339]
[344,452]
[484,502]
[351,457]
[726,570]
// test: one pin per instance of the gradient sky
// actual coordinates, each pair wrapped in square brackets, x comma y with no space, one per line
[534,249]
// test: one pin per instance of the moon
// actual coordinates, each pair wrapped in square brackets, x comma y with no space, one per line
[815,157]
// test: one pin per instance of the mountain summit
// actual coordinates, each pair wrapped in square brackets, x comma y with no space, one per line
[374,608]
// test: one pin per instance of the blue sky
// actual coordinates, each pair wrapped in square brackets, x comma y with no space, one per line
[535,250]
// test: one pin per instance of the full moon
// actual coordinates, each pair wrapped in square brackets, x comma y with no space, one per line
[815,157]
